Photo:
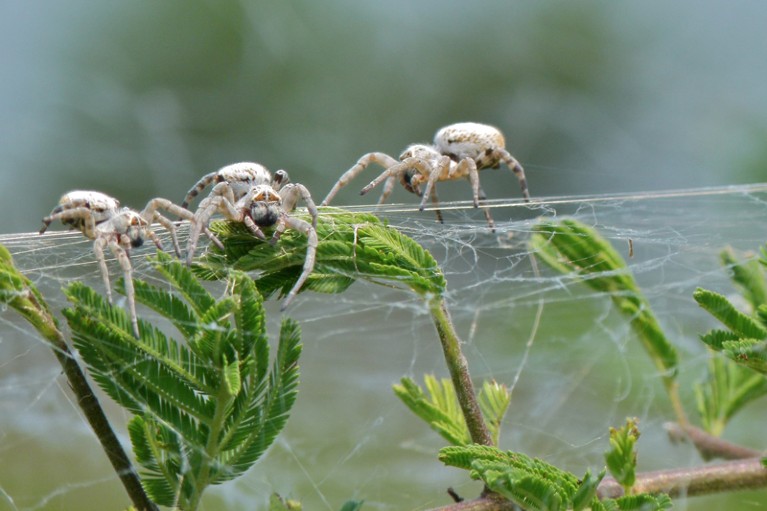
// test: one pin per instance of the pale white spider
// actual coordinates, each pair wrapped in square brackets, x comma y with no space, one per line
[100,218]
[262,206]
[232,182]
[459,151]
[239,177]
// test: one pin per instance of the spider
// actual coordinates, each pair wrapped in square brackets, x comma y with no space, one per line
[239,177]
[459,151]
[262,206]
[233,182]
[100,218]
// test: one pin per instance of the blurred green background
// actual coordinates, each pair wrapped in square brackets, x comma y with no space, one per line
[139,99]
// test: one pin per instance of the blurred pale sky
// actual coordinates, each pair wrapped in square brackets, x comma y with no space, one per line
[139,100]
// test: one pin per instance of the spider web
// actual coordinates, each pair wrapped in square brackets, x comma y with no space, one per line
[571,360]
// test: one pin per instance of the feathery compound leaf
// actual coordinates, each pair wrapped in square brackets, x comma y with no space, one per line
[533,484]
[351,246]
[728,387]
[720,307]
[494,401]
[621,458]
[205,409]
[571,247]
[439,409]
[747,275]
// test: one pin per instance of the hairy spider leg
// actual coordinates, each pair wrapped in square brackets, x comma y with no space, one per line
[151,215]
[73,214]
[382,159]
[198,187]
[290,195]
[518,171]
[311,254]
[221,199]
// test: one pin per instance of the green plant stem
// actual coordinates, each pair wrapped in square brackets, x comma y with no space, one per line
[18,292]
[213,447]
[730,476]
[459,373]
[93,412]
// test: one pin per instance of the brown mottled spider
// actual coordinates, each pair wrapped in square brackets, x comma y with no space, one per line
[262,206]
[100,218]
[459,151]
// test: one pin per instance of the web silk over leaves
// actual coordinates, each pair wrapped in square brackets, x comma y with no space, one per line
[351,246]
[205,409]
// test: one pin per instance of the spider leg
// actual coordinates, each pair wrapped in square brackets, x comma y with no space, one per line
[122,257]
[488,216]
[388,189]
[220,199]
[435,203]
[151,215]
[442,172]
[423,168]
[518,171]
[79,213]
[311,254]
[290,195]
[467,166]
[381,159]
[98,249]
[198,187]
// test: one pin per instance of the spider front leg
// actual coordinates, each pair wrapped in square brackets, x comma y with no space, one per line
[72,214]
[381,159]
[199,186]
[124,260]
[421,166]
[151,215]
[290,195]
[311,254]
[518,171]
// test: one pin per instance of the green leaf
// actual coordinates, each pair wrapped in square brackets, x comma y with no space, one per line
[747,275]
[572,248]
[439,409]
[351,246]
[728,387]
[494,401]
[621,458]
[205,407]
[720,307]
[352,505]
[533,484]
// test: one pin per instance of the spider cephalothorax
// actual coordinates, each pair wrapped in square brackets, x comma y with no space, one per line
[459,151]
[100,218]
[264,207]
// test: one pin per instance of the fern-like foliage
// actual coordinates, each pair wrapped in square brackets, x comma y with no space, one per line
[438,406]
[205,408]
[351,246]
[621,459]
[735,381]
[727,388]
[534,485]
[572,248]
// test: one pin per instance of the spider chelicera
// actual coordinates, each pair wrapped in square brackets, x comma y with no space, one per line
[459,151]
[247,193]
[100,218]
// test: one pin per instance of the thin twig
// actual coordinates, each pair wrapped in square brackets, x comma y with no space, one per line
[730,476]
[708,445]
